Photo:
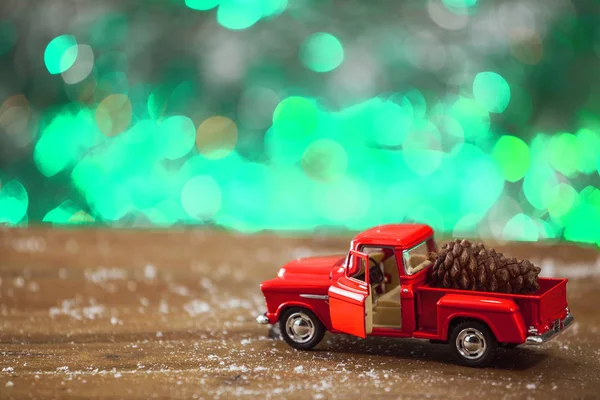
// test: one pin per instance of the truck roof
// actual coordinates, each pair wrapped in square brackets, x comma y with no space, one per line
[400,235]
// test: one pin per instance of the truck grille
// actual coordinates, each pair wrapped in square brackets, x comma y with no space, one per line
[556,326]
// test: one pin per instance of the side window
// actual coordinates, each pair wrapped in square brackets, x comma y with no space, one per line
[415,259]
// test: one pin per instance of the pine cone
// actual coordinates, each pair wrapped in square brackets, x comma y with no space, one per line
[463,265]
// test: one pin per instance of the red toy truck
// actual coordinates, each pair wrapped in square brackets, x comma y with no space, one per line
[381,288]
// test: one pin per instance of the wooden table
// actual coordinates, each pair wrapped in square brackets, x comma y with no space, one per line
[170,314]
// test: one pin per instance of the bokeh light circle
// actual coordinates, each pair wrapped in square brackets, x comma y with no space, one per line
[239,14]
[216,137]
[521,228]
[325,160]
[422,148]
[562,153]
[114,114]
[295,116]
[201,197]
[60,54]
[321,52]
[202,5]
[13,202]
[180,135]
[587,148]
[491,91]
[82,67]
[512,155]
[14,119]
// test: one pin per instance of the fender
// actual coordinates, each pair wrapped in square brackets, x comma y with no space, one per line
[502,316]
[319,307]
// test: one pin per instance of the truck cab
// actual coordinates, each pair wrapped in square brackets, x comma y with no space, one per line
[381,288]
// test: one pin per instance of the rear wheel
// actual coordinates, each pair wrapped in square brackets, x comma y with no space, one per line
[473,343]
[300,328]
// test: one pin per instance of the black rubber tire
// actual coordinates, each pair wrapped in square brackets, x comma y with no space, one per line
[491,344]
[319,328]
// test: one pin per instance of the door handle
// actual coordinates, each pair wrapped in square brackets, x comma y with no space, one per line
[404,290]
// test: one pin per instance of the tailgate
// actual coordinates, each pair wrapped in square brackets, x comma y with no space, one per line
[553,303]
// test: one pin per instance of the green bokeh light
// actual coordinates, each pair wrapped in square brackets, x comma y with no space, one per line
[179,136]
[491,91]
[422,148]
[584,220]
[562,153]
[297,111]
[13,202]
[539,182]
[201,197]
[321,52]
[481,182]
[60,54]
[561,199]
[512,155]
[522,228]
[202,5]
[392,121]
[325,160]
[587,148]
[64,139]
[471,115]
[240,14]
[67,213]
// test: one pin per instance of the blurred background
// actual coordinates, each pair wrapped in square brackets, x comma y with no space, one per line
[479,118]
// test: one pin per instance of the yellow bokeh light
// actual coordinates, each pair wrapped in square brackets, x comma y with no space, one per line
[216,137]
[14,114]
[526,46]
[114,114]
[81,217]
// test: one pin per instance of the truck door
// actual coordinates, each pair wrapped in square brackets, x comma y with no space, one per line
[350,301]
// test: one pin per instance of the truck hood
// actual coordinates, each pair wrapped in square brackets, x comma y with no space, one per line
[310,269]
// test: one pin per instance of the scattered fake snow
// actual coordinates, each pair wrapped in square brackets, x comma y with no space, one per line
[236,303]
[180,290]
[19,282]
[68,307]
[299,369]
[8,369]
[150,272]
[163,307]
[196,307]
[531,386]
[241,368]
[105,274]
[9,384]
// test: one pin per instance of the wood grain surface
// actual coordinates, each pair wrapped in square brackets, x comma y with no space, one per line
[170,314]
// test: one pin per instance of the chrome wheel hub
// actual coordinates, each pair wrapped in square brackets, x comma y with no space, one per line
[300,327]
[471,344]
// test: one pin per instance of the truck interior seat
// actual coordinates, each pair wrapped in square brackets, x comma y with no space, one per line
[417,263]
[390,299]
[387,311]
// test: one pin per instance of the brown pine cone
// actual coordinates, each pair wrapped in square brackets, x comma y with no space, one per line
[463,265]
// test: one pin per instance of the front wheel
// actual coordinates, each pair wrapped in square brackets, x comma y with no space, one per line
[300,328]
[473,343]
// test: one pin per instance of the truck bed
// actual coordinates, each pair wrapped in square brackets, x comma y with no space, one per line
[547,304]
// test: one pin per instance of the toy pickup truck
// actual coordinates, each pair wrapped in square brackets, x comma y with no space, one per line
[382,288]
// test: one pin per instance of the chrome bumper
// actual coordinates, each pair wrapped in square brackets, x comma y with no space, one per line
[262,319]
[552,332]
